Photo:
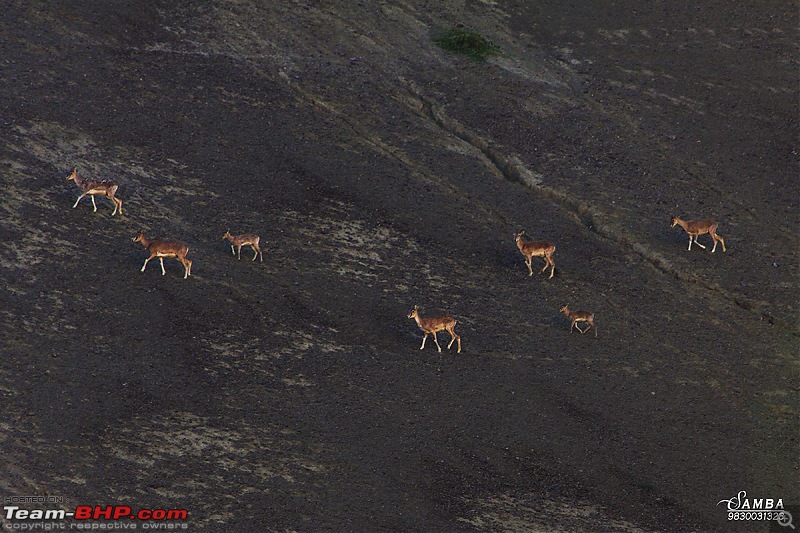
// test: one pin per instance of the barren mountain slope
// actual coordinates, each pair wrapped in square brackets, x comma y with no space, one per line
[381,173]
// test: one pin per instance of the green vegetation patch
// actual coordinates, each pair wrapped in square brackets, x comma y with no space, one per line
[467,42]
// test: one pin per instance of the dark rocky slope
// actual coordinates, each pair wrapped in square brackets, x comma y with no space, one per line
[384,172]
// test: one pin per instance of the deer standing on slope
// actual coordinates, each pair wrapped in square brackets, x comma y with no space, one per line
[531,249]
[430,326]
[695,228]
[162,249]
[580,316]
[105,188]
[246,239]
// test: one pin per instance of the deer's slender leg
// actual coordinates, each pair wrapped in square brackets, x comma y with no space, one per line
[437,342]
[698,243]
[455,338]
[717,238]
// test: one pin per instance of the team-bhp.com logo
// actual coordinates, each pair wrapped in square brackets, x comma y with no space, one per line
[740,507]
[87,517]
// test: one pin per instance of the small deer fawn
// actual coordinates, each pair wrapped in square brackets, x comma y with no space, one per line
[246,239]
[580,316]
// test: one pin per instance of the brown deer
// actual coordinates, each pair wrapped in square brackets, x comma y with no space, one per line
[579,316]
[531,249]
[430,326]
[246,239]
[105,188]
[695,228]
[162,249]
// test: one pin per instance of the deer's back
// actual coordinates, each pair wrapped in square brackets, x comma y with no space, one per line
[98,185]
[701,225]
[246,238]
[440,323]
[167,248]
[528,247]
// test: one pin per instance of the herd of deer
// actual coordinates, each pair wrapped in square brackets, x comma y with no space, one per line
[158,248]
[429,326]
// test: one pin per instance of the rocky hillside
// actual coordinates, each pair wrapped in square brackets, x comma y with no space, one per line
[383,172]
